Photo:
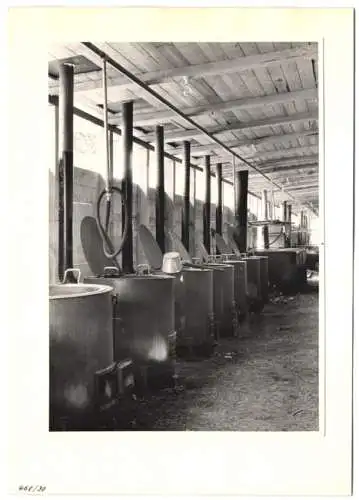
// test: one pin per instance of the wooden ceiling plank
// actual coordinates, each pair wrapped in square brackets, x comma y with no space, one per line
[122,53]
[152,118]
[194,133]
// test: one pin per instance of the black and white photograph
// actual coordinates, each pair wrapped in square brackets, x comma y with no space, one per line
[181,251]
[184,242]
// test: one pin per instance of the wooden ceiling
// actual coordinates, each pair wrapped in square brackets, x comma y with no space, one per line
[260,99]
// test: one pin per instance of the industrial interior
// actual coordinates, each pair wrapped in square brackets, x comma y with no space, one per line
[184,236]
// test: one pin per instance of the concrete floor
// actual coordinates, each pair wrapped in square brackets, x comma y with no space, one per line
[267,380]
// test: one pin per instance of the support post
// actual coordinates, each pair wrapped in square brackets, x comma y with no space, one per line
[186,200]
[207,205]
[289,217]
[127,150]
[284,211]
[66,104]
[219,208]
[264,205]
[241,191]
[160,188]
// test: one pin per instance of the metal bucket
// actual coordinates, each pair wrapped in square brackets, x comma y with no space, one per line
[82,372]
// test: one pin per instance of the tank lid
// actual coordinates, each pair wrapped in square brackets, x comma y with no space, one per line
[150,247]
[178,246]
[92,246]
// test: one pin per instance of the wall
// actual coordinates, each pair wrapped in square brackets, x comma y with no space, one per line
[89,173]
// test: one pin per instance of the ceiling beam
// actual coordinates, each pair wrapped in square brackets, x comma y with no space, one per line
[263,155]
[151,118]
[204,149]
[181,135]
[247,63]
[292,168]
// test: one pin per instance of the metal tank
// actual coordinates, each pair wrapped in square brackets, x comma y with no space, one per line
[286,267]
[194,301]
[263,261]
[228,322]
[83,376]
[144,322]
[254,279]
[240,274]
[143,313]
[220,281]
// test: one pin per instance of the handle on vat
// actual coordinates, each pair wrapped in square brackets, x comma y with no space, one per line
[111,271]
[145,267]
[71,270]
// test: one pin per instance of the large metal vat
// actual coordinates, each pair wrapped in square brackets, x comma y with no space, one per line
[223,288]
[254,278]
[224,300]
[263,260]
[240,283]
[81,348]
[194,303]
[144,322]
[286,267]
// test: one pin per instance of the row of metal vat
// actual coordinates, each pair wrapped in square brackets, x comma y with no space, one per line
[113,332]
[117,333]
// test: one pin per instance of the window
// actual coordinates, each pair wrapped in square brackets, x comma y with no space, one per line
[179,176]
[89,146]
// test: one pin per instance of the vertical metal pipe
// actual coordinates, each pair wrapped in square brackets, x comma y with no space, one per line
[284,211]
[219,207]
[66,104]
[207,205]
[302,219]
[127,148]
[264,205]
[186,200]
[241,181]
[289,218]
[160,188]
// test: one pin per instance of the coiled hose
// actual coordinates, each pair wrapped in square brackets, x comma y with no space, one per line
[108,246]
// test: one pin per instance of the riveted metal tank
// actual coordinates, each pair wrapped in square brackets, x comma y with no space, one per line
[144,316]
[194,303]
[253,277]
[240,282]
[240,274]
[82,371]
[263,260]
[286,267]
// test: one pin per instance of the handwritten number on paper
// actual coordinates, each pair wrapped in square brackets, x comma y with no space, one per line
[32,488]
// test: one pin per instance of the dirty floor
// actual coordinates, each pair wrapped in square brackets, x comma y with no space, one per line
[266,380]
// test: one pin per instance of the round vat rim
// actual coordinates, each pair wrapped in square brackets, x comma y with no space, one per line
[92,290]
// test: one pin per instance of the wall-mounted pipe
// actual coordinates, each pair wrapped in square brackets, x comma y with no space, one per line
[66,103]
[186,200]
[160,188]
[241,209]
[127,153]
[219,208]
[207,205]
